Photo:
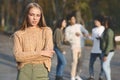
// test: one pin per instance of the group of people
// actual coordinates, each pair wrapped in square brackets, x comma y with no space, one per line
[103,38]
[35,44]
[72,34]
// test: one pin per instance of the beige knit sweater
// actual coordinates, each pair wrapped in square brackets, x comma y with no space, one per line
[29,43]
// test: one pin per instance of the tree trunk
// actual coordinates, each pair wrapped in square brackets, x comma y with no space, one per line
[2,18]
[78,13]
[79,17]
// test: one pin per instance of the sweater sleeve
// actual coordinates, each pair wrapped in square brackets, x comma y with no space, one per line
[83,30]
[48,39]
[19,54]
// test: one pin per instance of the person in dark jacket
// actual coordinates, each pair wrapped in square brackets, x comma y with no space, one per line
[107,46]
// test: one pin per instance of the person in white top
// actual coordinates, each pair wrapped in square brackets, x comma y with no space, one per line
[73,34]
[96,51]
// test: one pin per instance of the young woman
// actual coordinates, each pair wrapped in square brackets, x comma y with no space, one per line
[96,51]
[33,45]
[59,48]
[74,36]
[107,46]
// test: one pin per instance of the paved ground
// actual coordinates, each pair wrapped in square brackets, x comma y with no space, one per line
[8,70]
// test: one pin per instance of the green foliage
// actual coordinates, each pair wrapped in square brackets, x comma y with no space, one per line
[88,43]
[107,8]
[12,10]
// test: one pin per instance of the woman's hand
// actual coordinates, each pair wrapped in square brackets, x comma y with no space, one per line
[47,53]
[64,52]
[77,34]
[104,58]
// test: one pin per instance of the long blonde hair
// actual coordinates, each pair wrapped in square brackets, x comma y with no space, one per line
[42,22]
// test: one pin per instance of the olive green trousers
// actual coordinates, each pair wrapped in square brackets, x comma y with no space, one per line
[33,72]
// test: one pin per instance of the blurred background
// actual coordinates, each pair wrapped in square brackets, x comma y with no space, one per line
[11,12]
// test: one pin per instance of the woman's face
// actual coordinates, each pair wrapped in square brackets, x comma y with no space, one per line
[64,23]
[34,16]
[73,20]
[106,25]
[97,23]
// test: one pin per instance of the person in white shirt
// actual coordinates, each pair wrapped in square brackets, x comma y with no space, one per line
[73,34]
[96,51]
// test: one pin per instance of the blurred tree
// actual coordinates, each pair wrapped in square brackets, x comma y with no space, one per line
[107,8]
[12,10]
[2,15]
[48,10]
[2,8]
[80,8]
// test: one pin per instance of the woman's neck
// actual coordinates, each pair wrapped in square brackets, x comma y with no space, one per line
[61,28]
[33,27]
[99,25]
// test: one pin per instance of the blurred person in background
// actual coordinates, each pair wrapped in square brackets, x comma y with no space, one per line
[96,51]
[107,46]
[59,48]
[73,34]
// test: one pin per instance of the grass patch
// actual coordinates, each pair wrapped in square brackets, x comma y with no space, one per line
[88,42]
[118,43]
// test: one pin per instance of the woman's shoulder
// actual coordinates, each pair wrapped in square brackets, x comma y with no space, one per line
[94,29]
[110,31]
[19,32]
[57,30]
[47,29]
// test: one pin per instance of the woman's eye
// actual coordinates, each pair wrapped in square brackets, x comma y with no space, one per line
[38,15]
[31,14]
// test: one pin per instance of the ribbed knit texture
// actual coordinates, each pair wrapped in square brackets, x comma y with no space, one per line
[29,43]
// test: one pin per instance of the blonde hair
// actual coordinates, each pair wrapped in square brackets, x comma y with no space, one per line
[42,22]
